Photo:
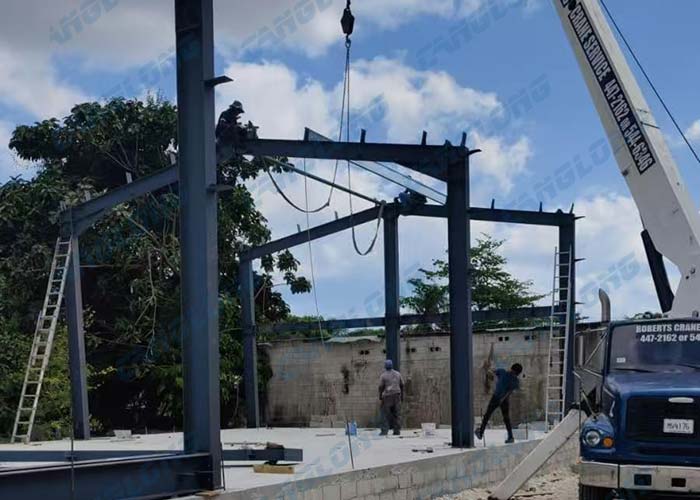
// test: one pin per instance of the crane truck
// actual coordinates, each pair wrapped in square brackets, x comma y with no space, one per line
[642,433]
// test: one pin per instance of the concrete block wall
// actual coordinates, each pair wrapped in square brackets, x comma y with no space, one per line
[313,380]
[419,479]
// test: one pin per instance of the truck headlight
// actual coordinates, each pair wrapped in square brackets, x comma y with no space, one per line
[592,438]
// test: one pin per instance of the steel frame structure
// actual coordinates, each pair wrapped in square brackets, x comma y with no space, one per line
[392,319]
[198,466]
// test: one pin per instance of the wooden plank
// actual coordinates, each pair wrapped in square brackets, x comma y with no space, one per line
[551,443]
[273,469]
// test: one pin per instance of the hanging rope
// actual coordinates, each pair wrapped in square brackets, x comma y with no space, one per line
[651,84]
[346,82]
[286,198]
[311,256]
[348,23]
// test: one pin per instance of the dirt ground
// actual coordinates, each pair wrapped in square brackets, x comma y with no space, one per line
[558,485]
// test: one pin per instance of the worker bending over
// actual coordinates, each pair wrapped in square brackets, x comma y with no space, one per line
[391,395]
[506,383]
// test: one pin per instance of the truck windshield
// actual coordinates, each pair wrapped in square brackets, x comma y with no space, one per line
[664,346]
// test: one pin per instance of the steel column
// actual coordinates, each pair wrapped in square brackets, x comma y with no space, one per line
[567,243]
[198,229]
[250,346]
[460,304]
[392,287]
[76,345]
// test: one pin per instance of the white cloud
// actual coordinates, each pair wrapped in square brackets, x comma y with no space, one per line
[389,99]
[282,102]
[608,237]
[278,99]
[132,32]
[501,160]
[32,84]
[415,100]
[693,132]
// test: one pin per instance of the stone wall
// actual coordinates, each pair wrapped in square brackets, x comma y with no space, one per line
[325,383]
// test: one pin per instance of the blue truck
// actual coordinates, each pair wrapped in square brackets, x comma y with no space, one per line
[642,436]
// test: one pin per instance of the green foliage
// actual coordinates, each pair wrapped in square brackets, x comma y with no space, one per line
[492,286]
[131,266]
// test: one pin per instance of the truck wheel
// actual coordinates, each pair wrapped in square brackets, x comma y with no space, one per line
[593,493]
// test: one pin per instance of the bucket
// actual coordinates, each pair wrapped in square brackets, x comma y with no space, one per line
[351,428]
[428,429]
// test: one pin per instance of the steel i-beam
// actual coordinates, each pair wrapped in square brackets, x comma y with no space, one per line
[198,229]
[460,304]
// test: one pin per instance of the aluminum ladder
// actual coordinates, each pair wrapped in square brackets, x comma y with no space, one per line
[558,332]
[43,342]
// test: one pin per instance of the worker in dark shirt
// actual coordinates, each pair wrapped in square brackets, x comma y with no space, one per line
[506,383]
[391,395]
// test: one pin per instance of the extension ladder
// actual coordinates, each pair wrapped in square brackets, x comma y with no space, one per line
[43,341]
[558,332]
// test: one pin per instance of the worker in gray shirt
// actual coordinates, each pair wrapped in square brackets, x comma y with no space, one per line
[391,395]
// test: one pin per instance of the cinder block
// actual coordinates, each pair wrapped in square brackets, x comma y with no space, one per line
[400,495]
[364,488]
[313,494]
[348,490]
[452,471]
[331,492]
[404,480]
[385,483]
[417,478]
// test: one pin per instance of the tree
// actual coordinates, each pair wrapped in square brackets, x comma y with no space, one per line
[131,261]
[492,286]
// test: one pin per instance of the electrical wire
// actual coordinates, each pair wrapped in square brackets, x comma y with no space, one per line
[648,79]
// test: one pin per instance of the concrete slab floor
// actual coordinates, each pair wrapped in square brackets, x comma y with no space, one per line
[326,451]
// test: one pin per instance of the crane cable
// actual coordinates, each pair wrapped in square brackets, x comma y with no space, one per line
[346,82]
[347,22]
[347,29]
[648,79]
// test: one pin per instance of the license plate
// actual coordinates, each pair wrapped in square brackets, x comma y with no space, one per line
[678,426]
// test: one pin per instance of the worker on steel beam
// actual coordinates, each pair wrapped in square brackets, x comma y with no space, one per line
[391,396]
[506,383]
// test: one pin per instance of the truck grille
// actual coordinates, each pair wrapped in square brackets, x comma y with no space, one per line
[645,419]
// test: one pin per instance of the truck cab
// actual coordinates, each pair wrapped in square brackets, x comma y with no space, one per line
[643,433]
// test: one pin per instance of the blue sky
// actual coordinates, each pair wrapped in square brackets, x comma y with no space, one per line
[514,87]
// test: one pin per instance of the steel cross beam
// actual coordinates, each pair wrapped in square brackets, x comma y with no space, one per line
[312,234]
[554,219]
[406,319]
[89,212]
[233,455]
[427,159]
[141,477]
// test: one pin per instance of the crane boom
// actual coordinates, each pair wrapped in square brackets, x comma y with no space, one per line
[666,208]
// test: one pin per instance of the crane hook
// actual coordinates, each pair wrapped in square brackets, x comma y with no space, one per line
[347,22]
